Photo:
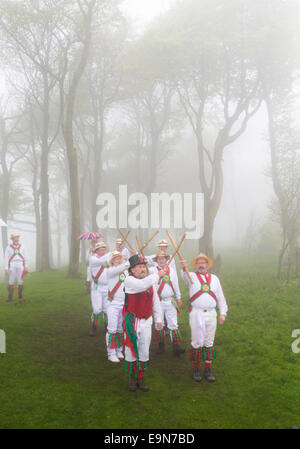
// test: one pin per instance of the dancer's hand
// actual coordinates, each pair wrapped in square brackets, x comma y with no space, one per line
[183,264]
[7,272]
[222,319]
[160,325]
[179,302]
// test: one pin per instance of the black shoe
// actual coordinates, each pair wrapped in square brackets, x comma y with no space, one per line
[132,384]
[9,299]
[161,348]
[196,375]
[177,350]
[208,375]
[93,331]
[141,383]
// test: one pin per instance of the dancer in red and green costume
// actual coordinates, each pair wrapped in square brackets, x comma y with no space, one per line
[15,266]
[206,295]
[170,297]
[141,302]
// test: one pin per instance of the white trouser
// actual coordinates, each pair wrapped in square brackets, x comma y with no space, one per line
[203,327]
[97,299]
[169,313]
[105,301]
[115,322]
[143,330]
[88,274]
[15,271]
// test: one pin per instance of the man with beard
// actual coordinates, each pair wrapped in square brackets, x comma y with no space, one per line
[141,301]
[15,266]
[205,295]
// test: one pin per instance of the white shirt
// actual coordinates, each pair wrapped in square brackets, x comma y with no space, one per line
[95,263]
[9,252]
[167,291]
[134,285]
[126,253]
[205,301]
[113,274]
[89,253]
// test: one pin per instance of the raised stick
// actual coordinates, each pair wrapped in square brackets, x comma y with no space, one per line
[149,240]
[175,252]
[141,250]
[179,255]
[125,239]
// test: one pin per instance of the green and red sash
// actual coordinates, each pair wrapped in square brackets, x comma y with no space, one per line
[112,293]
[205,288]
[95,278]
[165,280]
[130,333]
[16,249]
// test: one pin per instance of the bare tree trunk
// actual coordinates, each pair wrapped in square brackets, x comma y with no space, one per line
[276,182]
[280,259]
[44,184]
[71,150]
[6,177]
[97,175]
[38,246]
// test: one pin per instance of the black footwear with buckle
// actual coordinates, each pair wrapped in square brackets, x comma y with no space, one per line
[132,384]
[141,383]
[208,375]
[196,375]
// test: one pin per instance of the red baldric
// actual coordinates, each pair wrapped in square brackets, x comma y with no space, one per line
[163,283]
[199,293]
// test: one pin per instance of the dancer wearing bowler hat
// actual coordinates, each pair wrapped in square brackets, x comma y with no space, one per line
[141,302]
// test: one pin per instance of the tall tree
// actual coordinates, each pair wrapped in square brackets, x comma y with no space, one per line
[29,31]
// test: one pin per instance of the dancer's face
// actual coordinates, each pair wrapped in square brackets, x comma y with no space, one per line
[117,260]
[201,265]
[101,251]
[161,261]
[139,271]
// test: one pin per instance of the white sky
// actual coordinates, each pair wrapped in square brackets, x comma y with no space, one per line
[143,11]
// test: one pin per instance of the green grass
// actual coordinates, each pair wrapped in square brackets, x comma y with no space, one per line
[54,376]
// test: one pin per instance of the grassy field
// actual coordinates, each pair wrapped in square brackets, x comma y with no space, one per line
[54,376]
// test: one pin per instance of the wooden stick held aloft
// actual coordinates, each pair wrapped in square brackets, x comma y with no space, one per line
[149,240]
[177,249]
[125,239]
[179,255]
[141,250]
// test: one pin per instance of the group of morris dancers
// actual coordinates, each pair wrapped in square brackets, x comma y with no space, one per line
[128,290]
